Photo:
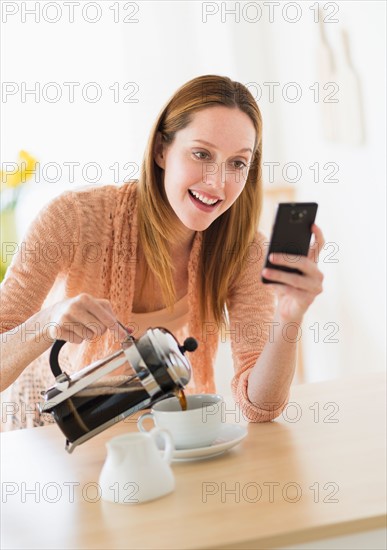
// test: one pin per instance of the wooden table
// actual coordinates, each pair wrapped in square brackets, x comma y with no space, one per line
[317,472]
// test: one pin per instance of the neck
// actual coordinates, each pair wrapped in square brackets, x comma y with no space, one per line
[183,245]
[183,238]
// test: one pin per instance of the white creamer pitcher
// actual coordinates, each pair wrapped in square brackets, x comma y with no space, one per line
[135,470]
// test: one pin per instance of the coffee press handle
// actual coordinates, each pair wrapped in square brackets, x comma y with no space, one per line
[54,363]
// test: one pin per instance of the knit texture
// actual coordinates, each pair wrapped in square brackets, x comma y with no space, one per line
[85,241]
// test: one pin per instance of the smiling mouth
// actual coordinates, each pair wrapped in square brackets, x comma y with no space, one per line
[205,202]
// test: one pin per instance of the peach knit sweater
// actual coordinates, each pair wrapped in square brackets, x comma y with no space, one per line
[85,240]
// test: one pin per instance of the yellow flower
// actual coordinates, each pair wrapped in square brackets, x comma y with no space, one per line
[21,174]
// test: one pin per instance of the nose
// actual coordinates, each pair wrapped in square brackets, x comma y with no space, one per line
[214,175]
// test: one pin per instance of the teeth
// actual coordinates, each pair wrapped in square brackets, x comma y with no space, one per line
[204,199]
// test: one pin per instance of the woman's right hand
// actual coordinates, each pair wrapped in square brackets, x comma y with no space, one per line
[82,317]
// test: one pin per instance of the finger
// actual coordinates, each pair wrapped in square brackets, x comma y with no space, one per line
[86,325]
[124,331]
[316,247]
[107,314]
[76,328]
[298,303]
[100,311]
[71,337]
[303,263]
[301,282]
[91,315]
[68,331]
[115,326]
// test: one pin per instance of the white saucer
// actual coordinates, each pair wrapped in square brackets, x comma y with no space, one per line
[229,436]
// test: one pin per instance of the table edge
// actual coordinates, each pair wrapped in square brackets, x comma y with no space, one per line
[310,535]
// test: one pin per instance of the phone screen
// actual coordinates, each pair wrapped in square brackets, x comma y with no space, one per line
[291,233]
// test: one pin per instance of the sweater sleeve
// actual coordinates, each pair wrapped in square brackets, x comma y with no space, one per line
[251,308]
[46,250]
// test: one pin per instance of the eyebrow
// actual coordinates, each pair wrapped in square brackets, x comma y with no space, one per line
[212,145]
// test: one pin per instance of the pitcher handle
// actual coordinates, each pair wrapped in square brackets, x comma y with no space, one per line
[169,445]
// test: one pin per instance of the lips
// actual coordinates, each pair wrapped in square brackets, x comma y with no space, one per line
[201,205]
[203,197]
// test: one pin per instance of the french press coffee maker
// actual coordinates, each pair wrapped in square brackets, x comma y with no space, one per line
[144,371]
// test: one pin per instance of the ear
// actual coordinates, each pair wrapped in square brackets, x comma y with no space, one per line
[159,151]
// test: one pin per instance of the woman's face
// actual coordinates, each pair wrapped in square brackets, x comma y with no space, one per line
[210,159]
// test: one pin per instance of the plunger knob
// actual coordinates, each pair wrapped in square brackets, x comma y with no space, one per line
[190,344]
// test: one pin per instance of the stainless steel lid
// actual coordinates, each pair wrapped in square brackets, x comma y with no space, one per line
[172,355]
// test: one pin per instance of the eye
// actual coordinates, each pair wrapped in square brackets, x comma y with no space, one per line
[203,155]
[241,166]
[200,153]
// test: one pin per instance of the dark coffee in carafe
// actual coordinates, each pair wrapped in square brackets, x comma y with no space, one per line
[84,412]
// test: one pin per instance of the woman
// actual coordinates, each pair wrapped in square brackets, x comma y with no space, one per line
[178,248]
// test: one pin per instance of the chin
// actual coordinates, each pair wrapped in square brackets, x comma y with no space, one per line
[198,226]
[195,226]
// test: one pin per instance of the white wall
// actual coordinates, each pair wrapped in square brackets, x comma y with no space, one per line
[63,132]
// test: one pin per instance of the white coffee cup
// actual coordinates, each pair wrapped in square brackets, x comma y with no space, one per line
[196,427]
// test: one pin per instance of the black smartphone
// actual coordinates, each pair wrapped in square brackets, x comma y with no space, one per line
[291,233]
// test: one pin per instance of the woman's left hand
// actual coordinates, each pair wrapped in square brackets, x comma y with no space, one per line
[297,291]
